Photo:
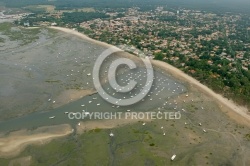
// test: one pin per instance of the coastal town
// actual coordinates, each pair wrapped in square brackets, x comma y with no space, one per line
[157,35]
[168,35]
[11,17]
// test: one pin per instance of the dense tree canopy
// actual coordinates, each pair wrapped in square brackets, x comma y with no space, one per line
[78,17]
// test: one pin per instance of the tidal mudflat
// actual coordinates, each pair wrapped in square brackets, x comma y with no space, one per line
[36,78]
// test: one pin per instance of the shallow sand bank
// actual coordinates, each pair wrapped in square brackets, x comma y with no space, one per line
[71,95]
[15,142]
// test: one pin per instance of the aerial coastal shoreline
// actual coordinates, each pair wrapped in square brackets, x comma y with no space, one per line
[237,113]
[228,104]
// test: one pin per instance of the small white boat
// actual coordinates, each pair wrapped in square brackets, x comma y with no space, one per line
[52,117]
[111,134]
[89,74]
[49,100]
[66,112]
[173,157]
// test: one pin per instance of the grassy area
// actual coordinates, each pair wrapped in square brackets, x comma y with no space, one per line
[4,161]
[24,35]
[52,81]
[9,11]
[40,8]
[86,10]
[2,40]
[247,137]
[52,32]
[4,27]
[136,144]
[36,9]
[51,9]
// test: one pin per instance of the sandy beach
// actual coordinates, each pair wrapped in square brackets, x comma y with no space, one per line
[236,112]
[73,32]
[15,142]
[71,95]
